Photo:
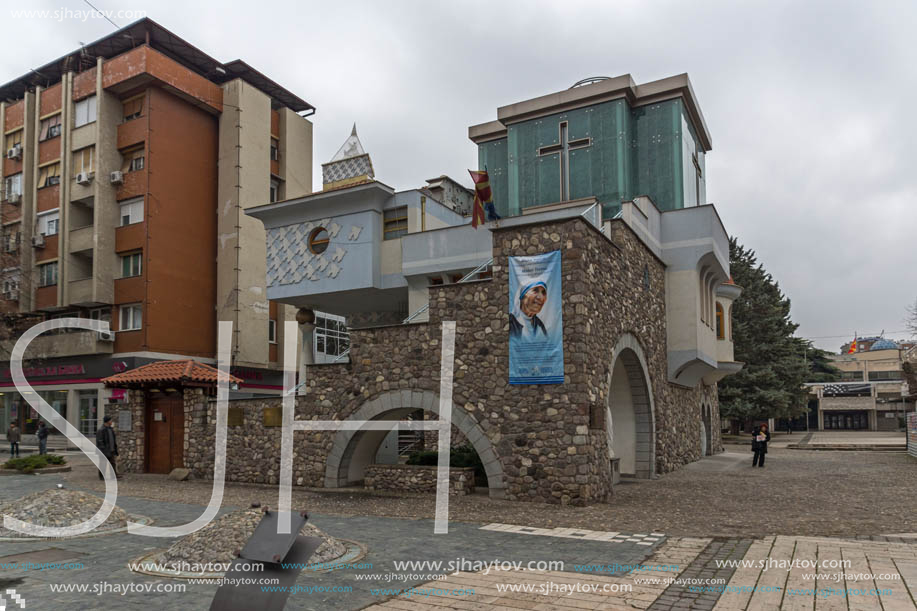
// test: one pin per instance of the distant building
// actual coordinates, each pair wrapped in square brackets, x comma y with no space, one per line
[872,393]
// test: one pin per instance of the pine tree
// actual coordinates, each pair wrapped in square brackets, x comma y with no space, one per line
[770,385]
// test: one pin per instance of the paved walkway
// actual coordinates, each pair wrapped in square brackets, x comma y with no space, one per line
[766,574]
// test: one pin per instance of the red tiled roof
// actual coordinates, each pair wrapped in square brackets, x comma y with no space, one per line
[178,372]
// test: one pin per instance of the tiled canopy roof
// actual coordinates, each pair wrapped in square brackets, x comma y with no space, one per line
[165,372]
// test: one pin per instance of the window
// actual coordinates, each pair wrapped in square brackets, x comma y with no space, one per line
[331,337]
[83,161]
[275,149]
[49,175]
[48,223]
[131,317]
[47,274]
[395,223]
[132,211]
[133,159]
[50,128]
[11,240]
[272,331]
[131,265]
[275,190]
[12,185]
[14,139]
[84,111]
[318,240]
[133,107]
[720,322]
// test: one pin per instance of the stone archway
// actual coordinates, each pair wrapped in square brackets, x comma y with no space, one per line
[352,451]
[630,422]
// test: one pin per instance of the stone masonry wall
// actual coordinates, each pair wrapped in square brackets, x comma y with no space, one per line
[131,452]
[417,478]
[540,434]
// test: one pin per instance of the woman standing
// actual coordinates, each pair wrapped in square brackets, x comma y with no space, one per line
[759,445]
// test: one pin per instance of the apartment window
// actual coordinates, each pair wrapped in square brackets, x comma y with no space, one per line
[720,323]
[11,240]
[49,128]
[132,211]
[133,107]
[84,161]
[47,274]
[131,317]
[275,190]
[272,331]
[275,149]
[12,185]
[49,175]
[48,223]
[84,111]
[14,139]
[131,265]
[133,159]
[395,223]
[331,337]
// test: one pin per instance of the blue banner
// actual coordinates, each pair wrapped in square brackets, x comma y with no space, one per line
[536,326]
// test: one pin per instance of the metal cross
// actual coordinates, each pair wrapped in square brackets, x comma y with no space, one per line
[563,149]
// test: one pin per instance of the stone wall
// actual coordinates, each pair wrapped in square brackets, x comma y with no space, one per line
[417,478]
[536,442]
[131,450]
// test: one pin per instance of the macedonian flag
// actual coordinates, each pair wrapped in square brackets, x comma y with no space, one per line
[482,196]
[853,346]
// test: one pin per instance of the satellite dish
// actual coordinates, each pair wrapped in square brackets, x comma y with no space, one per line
[589,81]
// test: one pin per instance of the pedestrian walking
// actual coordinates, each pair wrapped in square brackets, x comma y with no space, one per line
[759,445]
[107,443]
[42,434]
[13,436]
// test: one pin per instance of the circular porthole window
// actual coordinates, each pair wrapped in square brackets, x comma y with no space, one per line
[318,240]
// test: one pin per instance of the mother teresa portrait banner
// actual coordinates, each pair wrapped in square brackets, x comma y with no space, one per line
[536,326]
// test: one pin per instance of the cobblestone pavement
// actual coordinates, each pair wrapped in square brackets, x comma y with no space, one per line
[795,494]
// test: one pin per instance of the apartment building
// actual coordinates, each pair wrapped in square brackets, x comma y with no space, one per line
[127,165]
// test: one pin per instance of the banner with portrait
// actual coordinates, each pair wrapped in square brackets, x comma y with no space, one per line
[536,333]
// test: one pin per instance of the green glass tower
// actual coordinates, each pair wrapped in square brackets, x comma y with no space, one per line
[610,139]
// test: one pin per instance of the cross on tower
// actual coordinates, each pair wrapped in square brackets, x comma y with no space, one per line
[564,147]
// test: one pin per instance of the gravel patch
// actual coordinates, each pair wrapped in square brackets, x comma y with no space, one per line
[798,493]
[219,541]
[58,508]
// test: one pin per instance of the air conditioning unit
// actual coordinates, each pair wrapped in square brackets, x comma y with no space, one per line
[106,336]
[14,152]
[38,241]
[11,295]
[13,198]
[117,177]
[84,178]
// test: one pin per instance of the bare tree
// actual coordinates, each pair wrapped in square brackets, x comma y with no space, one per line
[910,321]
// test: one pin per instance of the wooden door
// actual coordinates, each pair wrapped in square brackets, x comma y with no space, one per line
[166,426]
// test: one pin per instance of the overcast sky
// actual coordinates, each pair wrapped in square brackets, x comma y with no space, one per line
[809,104]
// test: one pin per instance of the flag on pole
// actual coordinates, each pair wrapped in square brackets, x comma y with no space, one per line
[853,345]
[483,198]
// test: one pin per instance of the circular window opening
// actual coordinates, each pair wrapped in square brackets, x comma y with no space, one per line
[318,240]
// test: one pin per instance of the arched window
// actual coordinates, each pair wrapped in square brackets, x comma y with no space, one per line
[720,322]
[730,323]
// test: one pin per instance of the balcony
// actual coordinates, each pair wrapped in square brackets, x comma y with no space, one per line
[130,237]
[445,250]
[71,343]
[132,132]
[80,292]
[81,239]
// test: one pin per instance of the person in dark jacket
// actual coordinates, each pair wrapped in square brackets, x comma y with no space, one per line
[107,444]
[42,434]
[13,435]
[759,445]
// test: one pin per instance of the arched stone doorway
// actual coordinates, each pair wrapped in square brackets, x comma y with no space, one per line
[629,413]
[353,451]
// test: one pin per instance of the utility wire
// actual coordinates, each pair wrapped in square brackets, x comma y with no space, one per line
[117,27]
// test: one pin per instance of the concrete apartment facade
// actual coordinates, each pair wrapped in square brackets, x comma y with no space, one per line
[127,166]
